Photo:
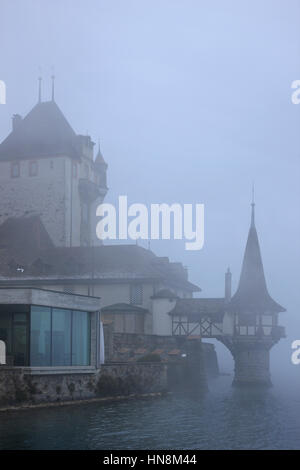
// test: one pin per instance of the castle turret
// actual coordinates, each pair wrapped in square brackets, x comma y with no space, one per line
[255,317]
[228,277]
[100,167]
[47,170]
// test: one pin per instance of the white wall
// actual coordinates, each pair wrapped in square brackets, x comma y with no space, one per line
[162,322]
[228,324]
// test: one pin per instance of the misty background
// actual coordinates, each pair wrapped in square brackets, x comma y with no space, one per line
[192,102]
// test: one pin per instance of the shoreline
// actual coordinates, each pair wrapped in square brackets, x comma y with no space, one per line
[84,401]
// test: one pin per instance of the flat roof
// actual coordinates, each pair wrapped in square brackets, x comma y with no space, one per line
[48,298]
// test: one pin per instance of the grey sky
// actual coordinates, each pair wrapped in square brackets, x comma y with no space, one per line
[192,101]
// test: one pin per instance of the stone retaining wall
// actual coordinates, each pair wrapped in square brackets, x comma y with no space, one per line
[17,386]
[188,366]
[130,347]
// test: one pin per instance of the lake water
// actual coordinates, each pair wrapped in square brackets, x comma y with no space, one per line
[226,418]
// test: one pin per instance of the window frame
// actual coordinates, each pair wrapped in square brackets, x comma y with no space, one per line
[15,165]
[51,336]
[33,168]
[13,324]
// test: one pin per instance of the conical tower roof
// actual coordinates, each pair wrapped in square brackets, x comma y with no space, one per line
[252,295]
[99,160]
[43,132]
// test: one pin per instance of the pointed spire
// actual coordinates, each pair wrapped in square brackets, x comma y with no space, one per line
[53,83]
[228,285]
[40,85]
[40,89]
[99,157]
[252,293]
[252,208]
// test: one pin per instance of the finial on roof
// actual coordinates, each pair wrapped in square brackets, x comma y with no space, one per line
[40,89]
[53,82]
[228,285]
[252,208]
[99,157]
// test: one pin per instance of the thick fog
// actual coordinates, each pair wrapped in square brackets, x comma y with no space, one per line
[192,102]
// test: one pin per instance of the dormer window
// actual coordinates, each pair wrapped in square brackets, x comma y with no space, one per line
[15,170]
[33,168]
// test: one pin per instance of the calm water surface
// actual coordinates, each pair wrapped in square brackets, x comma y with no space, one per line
[225,418]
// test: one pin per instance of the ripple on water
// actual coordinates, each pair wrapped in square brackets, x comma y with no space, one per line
[225,418]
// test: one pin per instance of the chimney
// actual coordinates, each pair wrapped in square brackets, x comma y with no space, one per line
[227,285]
[16,120]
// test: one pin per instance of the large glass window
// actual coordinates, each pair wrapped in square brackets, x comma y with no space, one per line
[81,339]
[14,332]
[59,337]
[20,339]
[40,336]
[6,331]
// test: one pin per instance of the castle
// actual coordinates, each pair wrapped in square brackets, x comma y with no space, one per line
[50,184]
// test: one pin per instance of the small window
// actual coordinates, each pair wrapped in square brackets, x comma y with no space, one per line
[51,164]
[136,294]
[74,170]
[86,170]
[33,168]
[267,320]
[15,170]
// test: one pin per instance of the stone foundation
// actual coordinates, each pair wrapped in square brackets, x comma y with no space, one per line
[184,364]
[18,386]
[252,364]
[210,360]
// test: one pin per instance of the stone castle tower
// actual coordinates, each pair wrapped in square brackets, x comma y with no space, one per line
[255,317]
[49,171]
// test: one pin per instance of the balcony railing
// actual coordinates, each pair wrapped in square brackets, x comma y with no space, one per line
[275,332]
